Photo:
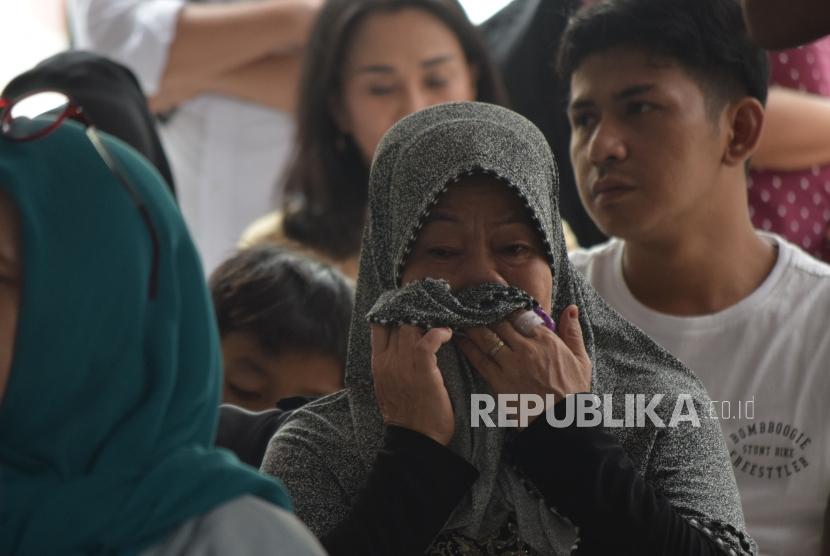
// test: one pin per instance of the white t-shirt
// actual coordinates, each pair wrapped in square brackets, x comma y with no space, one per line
[245,526]
[771,348]
[227,155]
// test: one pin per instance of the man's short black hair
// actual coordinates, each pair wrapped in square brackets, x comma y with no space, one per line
[708,38]
[287,301]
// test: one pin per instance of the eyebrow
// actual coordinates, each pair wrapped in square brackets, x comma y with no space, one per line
[436,60]
[385,69]
[634,91]
[628,92]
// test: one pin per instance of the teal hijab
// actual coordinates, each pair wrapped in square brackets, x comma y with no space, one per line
[107,425]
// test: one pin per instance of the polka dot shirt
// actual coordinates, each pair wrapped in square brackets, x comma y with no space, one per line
[796,205]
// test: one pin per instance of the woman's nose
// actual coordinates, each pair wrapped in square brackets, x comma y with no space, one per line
[415,100]
[479,267]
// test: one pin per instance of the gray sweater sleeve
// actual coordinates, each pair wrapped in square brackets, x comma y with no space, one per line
[245,526]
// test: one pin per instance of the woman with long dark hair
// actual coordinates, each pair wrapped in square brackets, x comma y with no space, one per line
[368,64]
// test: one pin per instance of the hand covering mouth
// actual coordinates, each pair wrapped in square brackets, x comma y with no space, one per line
[430,303]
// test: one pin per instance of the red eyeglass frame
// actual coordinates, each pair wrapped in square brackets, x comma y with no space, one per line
[72,111]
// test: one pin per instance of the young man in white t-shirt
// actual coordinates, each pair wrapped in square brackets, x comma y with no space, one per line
[666,108]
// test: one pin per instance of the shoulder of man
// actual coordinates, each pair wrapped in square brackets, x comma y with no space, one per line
[802,262]
[583,259]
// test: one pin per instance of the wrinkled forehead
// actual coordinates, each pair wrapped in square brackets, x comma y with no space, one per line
[480,193]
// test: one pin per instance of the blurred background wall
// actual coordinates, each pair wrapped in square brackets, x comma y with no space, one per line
[36,29]
[33,30]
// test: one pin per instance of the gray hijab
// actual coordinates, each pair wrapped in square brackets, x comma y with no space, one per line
[327,449]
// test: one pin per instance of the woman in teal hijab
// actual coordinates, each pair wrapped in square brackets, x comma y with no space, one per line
[111,395]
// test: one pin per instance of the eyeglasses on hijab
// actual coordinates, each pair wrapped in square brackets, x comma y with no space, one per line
[37,114]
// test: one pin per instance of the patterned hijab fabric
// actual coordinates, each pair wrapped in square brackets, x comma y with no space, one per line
[418,159]
[430,303]
[107,424]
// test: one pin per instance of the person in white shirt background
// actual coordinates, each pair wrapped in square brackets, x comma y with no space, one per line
[666,110]
[226,73]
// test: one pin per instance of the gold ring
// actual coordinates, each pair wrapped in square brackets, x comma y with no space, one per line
[495,349]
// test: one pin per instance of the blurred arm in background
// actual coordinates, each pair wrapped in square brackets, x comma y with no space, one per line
[796,132]
[250,50]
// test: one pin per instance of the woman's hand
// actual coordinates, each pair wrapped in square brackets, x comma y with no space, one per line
[409,386]
[541,364]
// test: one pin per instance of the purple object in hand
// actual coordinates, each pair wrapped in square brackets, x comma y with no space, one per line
[545,317]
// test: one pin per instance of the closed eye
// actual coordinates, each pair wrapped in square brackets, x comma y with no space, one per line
[516,249]
[442,253]
[381,90]
[582,119]
[245,395]
[640,107]
[436,83]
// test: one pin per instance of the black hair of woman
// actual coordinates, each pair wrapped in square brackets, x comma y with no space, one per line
[326,183]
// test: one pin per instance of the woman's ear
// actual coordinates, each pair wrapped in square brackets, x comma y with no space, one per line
[474,75]
[745,121]
[339,114]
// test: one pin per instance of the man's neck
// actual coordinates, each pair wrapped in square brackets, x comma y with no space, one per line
[701,273]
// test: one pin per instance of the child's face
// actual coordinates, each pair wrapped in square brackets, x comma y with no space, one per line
[256,379]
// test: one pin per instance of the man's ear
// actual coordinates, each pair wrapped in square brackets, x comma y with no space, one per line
[745,121]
